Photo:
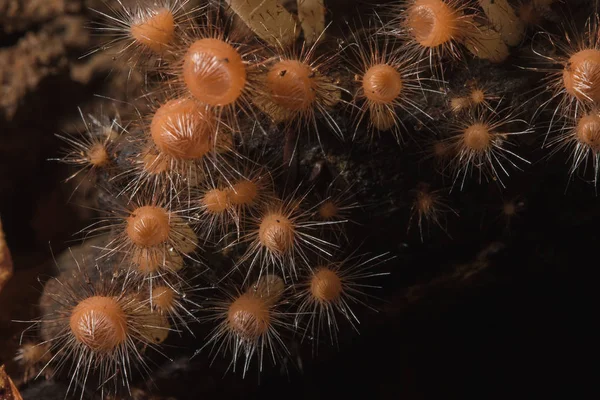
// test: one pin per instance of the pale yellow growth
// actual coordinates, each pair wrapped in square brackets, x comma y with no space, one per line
[155,328]
[268,19]
[270,288]
[312,18]
[484,42]
[504,19]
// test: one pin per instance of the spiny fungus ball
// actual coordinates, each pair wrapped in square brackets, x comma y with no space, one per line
[98,155]
[382,84]
[214,72]
[153,163]
[163,298]
[30,354]
[99,323]
[325,285]
[182,130]
[433,22]
[269,287]
[243,192]
[424,201]
[382,118]
[148,226]
[150,262]
[477,137]
[477,96]
[459,104]
[588,130]
[291,85]
[216,201]
[328,210]
[276,233]
[581,76]
[156,32]
[249,316]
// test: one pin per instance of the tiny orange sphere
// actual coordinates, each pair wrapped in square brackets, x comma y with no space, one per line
[249,316]
[291,85]
[382,117]
[477,137]
[588,131]
[148,226]
[477,96]
[156,32]
[433,22]
[163,298]
[424,202]
[382,84]
[328,210]
[99,323]
[214,72]
[182,130]
[98,156]
[244,192]
[153,164]
[458,104]
[581,76]
[270,288]
[215,201]
[326,285]
[276,233]
[149,262]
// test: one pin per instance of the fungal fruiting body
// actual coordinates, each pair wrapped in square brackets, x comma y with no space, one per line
[32,357]
[151,236]
[295,88]
[145,34]
[573,73]
[435,28]
[389,85]
[428,207]
[181,130]
[172,300]
[280,237]
[249,324]
[214,72]
[217,69]
[477,95]
[329,290]
[481,144]
[581,138]
[215,212]
[97,326]
[581,76]
[176,147]
[92,150]
[459,104]
[336,208]
[226,201]
[250,190]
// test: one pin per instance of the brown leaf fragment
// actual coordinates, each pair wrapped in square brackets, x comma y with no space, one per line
[8,390]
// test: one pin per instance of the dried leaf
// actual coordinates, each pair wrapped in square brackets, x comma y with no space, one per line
[312,17]
[268,19]
[8,390]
